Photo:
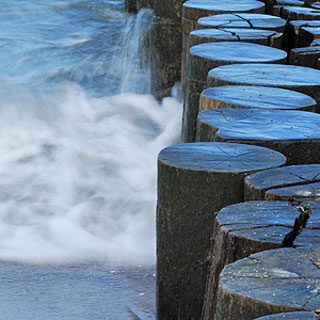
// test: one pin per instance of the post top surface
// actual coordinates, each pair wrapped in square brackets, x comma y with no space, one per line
[263,124]
[259,97]
[267,74]
[220,157]
[237,52]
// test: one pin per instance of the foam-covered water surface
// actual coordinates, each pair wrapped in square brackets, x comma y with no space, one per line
[79,139]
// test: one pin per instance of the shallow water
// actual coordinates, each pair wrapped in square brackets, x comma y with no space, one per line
[79,138]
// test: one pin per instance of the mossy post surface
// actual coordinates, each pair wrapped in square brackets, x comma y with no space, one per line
[250,227]
[294,133]
[194,181]
[280,280]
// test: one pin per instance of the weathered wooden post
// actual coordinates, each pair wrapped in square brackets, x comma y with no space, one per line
[165,46]
[194,181]
[301,79]
[250,227]
[256,97]
[258,36]
[243,20]
[206,56]
[299,181]
[274,281]
[194,9]
[294,133]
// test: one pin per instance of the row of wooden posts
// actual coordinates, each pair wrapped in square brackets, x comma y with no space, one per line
[238,213]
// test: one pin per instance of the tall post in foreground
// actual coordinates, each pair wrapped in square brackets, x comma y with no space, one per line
[194,181]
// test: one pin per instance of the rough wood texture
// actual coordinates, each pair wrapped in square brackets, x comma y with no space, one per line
[165,55]
[194,9]
[206,56]
[302,315]
[243,20]
[295,40]
[165,45]
[131,6]
[297,78]
[307,56]
[195,180]
[258,36]
[170,9]
[257,185]
[304,193]
[250,227]
[254,97]
[294,133]
[299,13]
[274,281]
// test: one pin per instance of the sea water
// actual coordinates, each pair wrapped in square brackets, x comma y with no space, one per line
[79,138]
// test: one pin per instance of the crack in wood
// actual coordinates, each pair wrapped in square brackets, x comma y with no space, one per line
[299,224]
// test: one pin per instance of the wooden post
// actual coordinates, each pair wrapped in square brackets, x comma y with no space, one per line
[274,281]
[258,36]
[255,97]
[250,227]
[258,185]
[293,133]
[193,10]
[307,57]
[194,181]
[165,46]
[206,56]
[301,79]
[243,20]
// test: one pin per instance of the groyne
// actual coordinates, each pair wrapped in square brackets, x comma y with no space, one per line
[238,227]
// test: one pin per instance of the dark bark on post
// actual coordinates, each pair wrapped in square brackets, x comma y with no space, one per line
[195,180]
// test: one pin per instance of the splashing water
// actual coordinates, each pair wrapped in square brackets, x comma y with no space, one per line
[78,165]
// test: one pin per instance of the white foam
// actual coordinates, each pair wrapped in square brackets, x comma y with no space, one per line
[78,175]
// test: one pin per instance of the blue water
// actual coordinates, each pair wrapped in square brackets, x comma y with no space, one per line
[79,138]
